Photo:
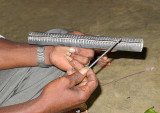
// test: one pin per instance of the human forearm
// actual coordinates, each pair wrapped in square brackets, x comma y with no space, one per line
[18,55]
[24,55]
[33,106]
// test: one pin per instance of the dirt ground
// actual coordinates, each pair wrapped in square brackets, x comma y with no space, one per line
[116,18]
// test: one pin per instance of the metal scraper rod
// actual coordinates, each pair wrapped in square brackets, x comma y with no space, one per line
[108,50]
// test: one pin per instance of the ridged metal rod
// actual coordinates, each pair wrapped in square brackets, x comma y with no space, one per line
[85,41]
[89,37]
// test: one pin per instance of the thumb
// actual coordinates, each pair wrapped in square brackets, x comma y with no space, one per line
[77,77]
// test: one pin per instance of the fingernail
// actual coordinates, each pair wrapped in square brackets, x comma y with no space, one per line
[68,54]
[68,58]
[72,50]
[84,70]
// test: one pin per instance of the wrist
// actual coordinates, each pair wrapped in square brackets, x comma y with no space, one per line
[39,106]
[48,51]
[49,105]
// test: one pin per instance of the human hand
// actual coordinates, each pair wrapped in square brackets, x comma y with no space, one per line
[68,91]
[104,61]
[59,55]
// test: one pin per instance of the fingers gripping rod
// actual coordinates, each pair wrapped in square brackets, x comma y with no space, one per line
[85,69]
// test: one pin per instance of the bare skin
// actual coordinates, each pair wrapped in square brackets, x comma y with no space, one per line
[23,55]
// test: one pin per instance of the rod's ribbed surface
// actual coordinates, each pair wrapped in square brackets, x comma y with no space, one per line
[85,41]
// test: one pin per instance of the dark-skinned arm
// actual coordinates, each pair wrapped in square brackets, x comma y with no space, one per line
[66,88]
[33,106]
[14,54]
